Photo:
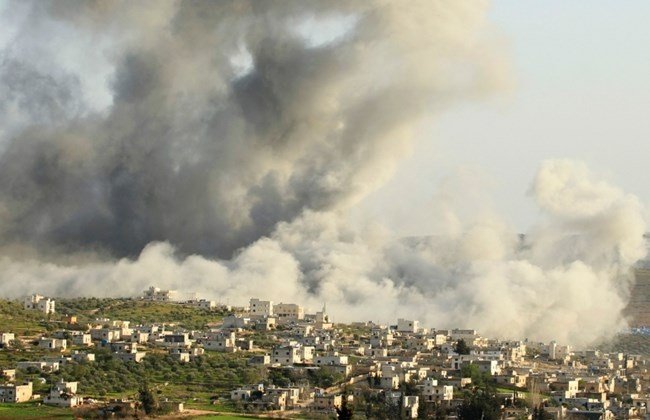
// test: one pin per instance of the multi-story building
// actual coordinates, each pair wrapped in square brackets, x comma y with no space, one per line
[40,303]
[12,393]
[260,308]
[288,312]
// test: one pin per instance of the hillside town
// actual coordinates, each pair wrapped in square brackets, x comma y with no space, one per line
[314,367]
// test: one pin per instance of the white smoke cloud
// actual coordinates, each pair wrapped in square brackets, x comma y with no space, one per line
[234,145]
[564,284]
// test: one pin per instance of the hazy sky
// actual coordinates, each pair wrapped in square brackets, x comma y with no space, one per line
[582,91]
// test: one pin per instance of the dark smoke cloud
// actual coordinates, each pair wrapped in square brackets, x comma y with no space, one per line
[219,146]
[193,153]
[190,152]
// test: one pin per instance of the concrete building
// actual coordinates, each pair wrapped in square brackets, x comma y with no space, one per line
[225,342]
[82,339]
[38,365]
[206,304]
[6,339]
[8,375]
[288,355]
[327,402]
[40,303]
[288,312]
[260,360]
[260,308]
[12,393]
[158,295]
[235,321]
[63,394]
[177,340]
[53,343]
[83,357]
[407,325]
[332,359]
[411,406]
[433,392]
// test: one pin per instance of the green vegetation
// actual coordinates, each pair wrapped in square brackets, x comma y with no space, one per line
[461,347]
[628,343]
[479,378]
[324,377]
[33,410]
[13,318]
[481,404]
[139,311]
[148,399]
[203,377]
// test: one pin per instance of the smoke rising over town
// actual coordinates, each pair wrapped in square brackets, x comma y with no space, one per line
[219,147]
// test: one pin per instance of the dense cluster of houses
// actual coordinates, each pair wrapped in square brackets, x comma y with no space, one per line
[568,382]
[366,357]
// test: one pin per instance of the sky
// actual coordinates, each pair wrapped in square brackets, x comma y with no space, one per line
[581,91]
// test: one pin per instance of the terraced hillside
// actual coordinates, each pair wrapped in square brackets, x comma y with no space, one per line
[639,307]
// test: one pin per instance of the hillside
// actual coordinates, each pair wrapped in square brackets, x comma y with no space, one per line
[638,309]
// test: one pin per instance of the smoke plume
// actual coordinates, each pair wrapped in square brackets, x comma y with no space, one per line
[218,147]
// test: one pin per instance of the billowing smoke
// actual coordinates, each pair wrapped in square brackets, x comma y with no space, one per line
[225,118]
[236,137]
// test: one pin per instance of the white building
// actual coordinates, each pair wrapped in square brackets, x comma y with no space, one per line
[432,392]
[6,339]
[40,365]
[205,304]
[470,337]
[323,321]
[488,366]
[63,394]
[288,312]
[407,325]
[179,354]
[221,342]
[288,355]
[52,343]
[12,393]
[389,380]
[135,357]
[260,308]
[40,303]
[235,321]
[177,340]
[332,359]
[411,406]
[108,335]
[82,339]
[83,357]
[8,374]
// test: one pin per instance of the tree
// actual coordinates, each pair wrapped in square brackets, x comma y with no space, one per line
[479,379]
[148,399]
[540,414]
[461,347]
[481,404]
[344,412]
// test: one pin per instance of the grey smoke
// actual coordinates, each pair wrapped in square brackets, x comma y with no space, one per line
[193,153]
[234,145]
